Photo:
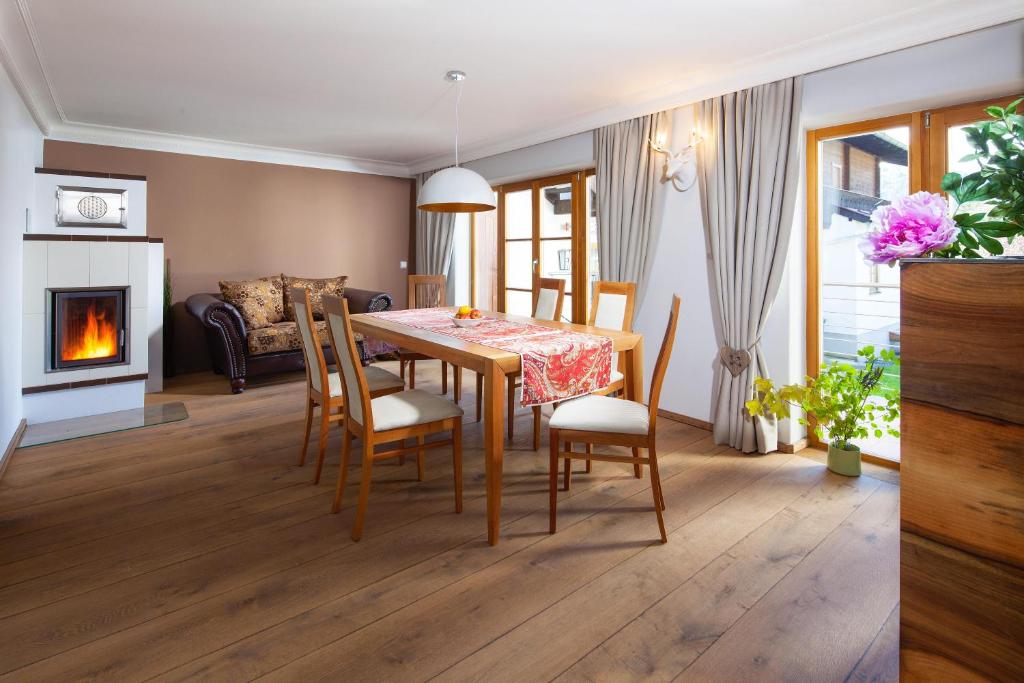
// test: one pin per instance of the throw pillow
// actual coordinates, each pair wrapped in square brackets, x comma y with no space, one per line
[335,286]
[261,302]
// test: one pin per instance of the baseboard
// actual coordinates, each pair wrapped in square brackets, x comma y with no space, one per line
[685,419]
[794,447]
[9,451]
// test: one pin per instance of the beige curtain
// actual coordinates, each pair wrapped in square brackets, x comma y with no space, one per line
[749,170]
[435,233]
[628,198]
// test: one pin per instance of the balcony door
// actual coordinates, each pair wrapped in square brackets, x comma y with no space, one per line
[542,234]
[853,170]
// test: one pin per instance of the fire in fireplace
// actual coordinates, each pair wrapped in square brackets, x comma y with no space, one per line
[87,328]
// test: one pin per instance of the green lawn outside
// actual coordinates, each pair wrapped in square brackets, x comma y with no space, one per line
[890,380]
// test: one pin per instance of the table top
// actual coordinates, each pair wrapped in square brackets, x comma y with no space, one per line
[470,355]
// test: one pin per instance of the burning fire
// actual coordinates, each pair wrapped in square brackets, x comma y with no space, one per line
[96,338]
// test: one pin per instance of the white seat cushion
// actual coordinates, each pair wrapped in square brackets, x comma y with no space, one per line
[408,408]
[376,380]
[602,414]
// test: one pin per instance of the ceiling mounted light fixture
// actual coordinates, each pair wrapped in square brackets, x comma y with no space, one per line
[455,189]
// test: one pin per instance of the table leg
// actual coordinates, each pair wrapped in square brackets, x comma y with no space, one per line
[494,395]
[634,384]
[634,367]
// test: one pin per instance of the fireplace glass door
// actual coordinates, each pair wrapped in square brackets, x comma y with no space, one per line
[87,328]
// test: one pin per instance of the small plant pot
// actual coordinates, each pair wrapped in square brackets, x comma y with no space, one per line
[846,463]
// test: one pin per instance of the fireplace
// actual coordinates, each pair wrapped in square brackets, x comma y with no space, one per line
[88,327]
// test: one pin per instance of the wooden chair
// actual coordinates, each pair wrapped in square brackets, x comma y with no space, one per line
[323,388]
[385,419]
[612,309]
[597,419]
[547,305]
[426,291]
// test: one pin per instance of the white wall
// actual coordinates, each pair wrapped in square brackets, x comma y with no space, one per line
[21,150]
[965,68]
[548,158]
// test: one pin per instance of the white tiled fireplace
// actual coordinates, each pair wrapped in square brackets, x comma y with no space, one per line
[92,301]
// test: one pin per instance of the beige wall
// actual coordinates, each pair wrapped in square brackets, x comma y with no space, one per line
[227,219]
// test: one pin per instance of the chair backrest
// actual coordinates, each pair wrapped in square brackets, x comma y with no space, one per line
[661,366]
[612,307]
[312,353]
[426,291]
[353,380]
[547,305]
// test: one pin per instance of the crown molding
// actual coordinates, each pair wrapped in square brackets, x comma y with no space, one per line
[849,44]
[13,38]
[185,144]
[21,56]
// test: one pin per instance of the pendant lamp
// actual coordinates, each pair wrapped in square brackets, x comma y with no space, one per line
[456,189]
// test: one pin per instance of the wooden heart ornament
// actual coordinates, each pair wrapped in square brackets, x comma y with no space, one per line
[736,360]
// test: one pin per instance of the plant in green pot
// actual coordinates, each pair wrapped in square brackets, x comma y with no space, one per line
[844,402]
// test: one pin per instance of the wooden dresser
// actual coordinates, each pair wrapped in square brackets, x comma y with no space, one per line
[962,471]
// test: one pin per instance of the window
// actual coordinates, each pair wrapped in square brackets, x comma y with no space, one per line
[544,231]
[852,169]
[864,166]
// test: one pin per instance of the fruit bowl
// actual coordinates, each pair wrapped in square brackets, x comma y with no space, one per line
[467,322]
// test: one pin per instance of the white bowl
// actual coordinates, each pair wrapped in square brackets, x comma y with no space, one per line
[467,322]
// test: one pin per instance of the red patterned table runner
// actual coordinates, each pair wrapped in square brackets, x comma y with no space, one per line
[557,364]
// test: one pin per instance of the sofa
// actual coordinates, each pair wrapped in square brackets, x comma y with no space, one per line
[269,343]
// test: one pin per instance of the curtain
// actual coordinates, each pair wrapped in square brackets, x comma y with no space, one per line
[435,234]
[628,198]
[748,168]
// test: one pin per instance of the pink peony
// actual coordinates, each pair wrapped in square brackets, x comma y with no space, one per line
[911,226]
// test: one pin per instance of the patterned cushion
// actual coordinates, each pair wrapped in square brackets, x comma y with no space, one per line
[261,302]
[335,286]
[285,337]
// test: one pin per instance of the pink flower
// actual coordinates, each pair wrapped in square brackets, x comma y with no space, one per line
[911,226]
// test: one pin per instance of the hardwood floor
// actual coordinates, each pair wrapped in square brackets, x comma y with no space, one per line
[197,550]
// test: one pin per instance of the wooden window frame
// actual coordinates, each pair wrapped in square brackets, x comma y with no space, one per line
[915,122]
[578,237]
[927,163]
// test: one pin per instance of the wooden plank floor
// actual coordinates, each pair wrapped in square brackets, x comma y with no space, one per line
[198,550]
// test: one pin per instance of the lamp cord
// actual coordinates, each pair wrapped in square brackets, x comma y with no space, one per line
[458,100]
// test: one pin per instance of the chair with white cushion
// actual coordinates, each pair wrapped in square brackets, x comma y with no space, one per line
[603,420]
[385,419]
[612,309]
[323,388]
[547,305]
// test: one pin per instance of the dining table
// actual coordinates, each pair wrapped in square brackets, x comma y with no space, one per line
[495,365]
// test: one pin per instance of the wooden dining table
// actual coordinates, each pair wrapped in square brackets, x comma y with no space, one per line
[495,365]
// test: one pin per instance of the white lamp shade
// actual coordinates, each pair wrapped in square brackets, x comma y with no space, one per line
[456,190]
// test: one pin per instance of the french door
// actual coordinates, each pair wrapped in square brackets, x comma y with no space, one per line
[851,170]
[543,228]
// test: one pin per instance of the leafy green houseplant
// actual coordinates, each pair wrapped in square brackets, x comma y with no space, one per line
[990,201]
[838,402]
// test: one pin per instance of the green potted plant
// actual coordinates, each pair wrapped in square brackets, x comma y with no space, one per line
[837,401]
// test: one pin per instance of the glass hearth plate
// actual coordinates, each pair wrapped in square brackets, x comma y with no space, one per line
[122,420]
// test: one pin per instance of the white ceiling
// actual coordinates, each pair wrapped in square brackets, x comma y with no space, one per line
[358,84]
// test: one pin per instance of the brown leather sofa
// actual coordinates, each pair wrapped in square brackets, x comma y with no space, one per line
[228,340]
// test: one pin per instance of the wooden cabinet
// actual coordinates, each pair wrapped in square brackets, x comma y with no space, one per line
[962,470]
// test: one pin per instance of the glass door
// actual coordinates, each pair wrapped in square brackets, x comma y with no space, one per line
[947,147]
[540,236]
[517,233]
[555,237]
[859,169]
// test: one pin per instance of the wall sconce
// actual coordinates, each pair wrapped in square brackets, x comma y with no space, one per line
[681,166]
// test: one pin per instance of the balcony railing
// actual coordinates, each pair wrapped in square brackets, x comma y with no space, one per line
[858,314]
